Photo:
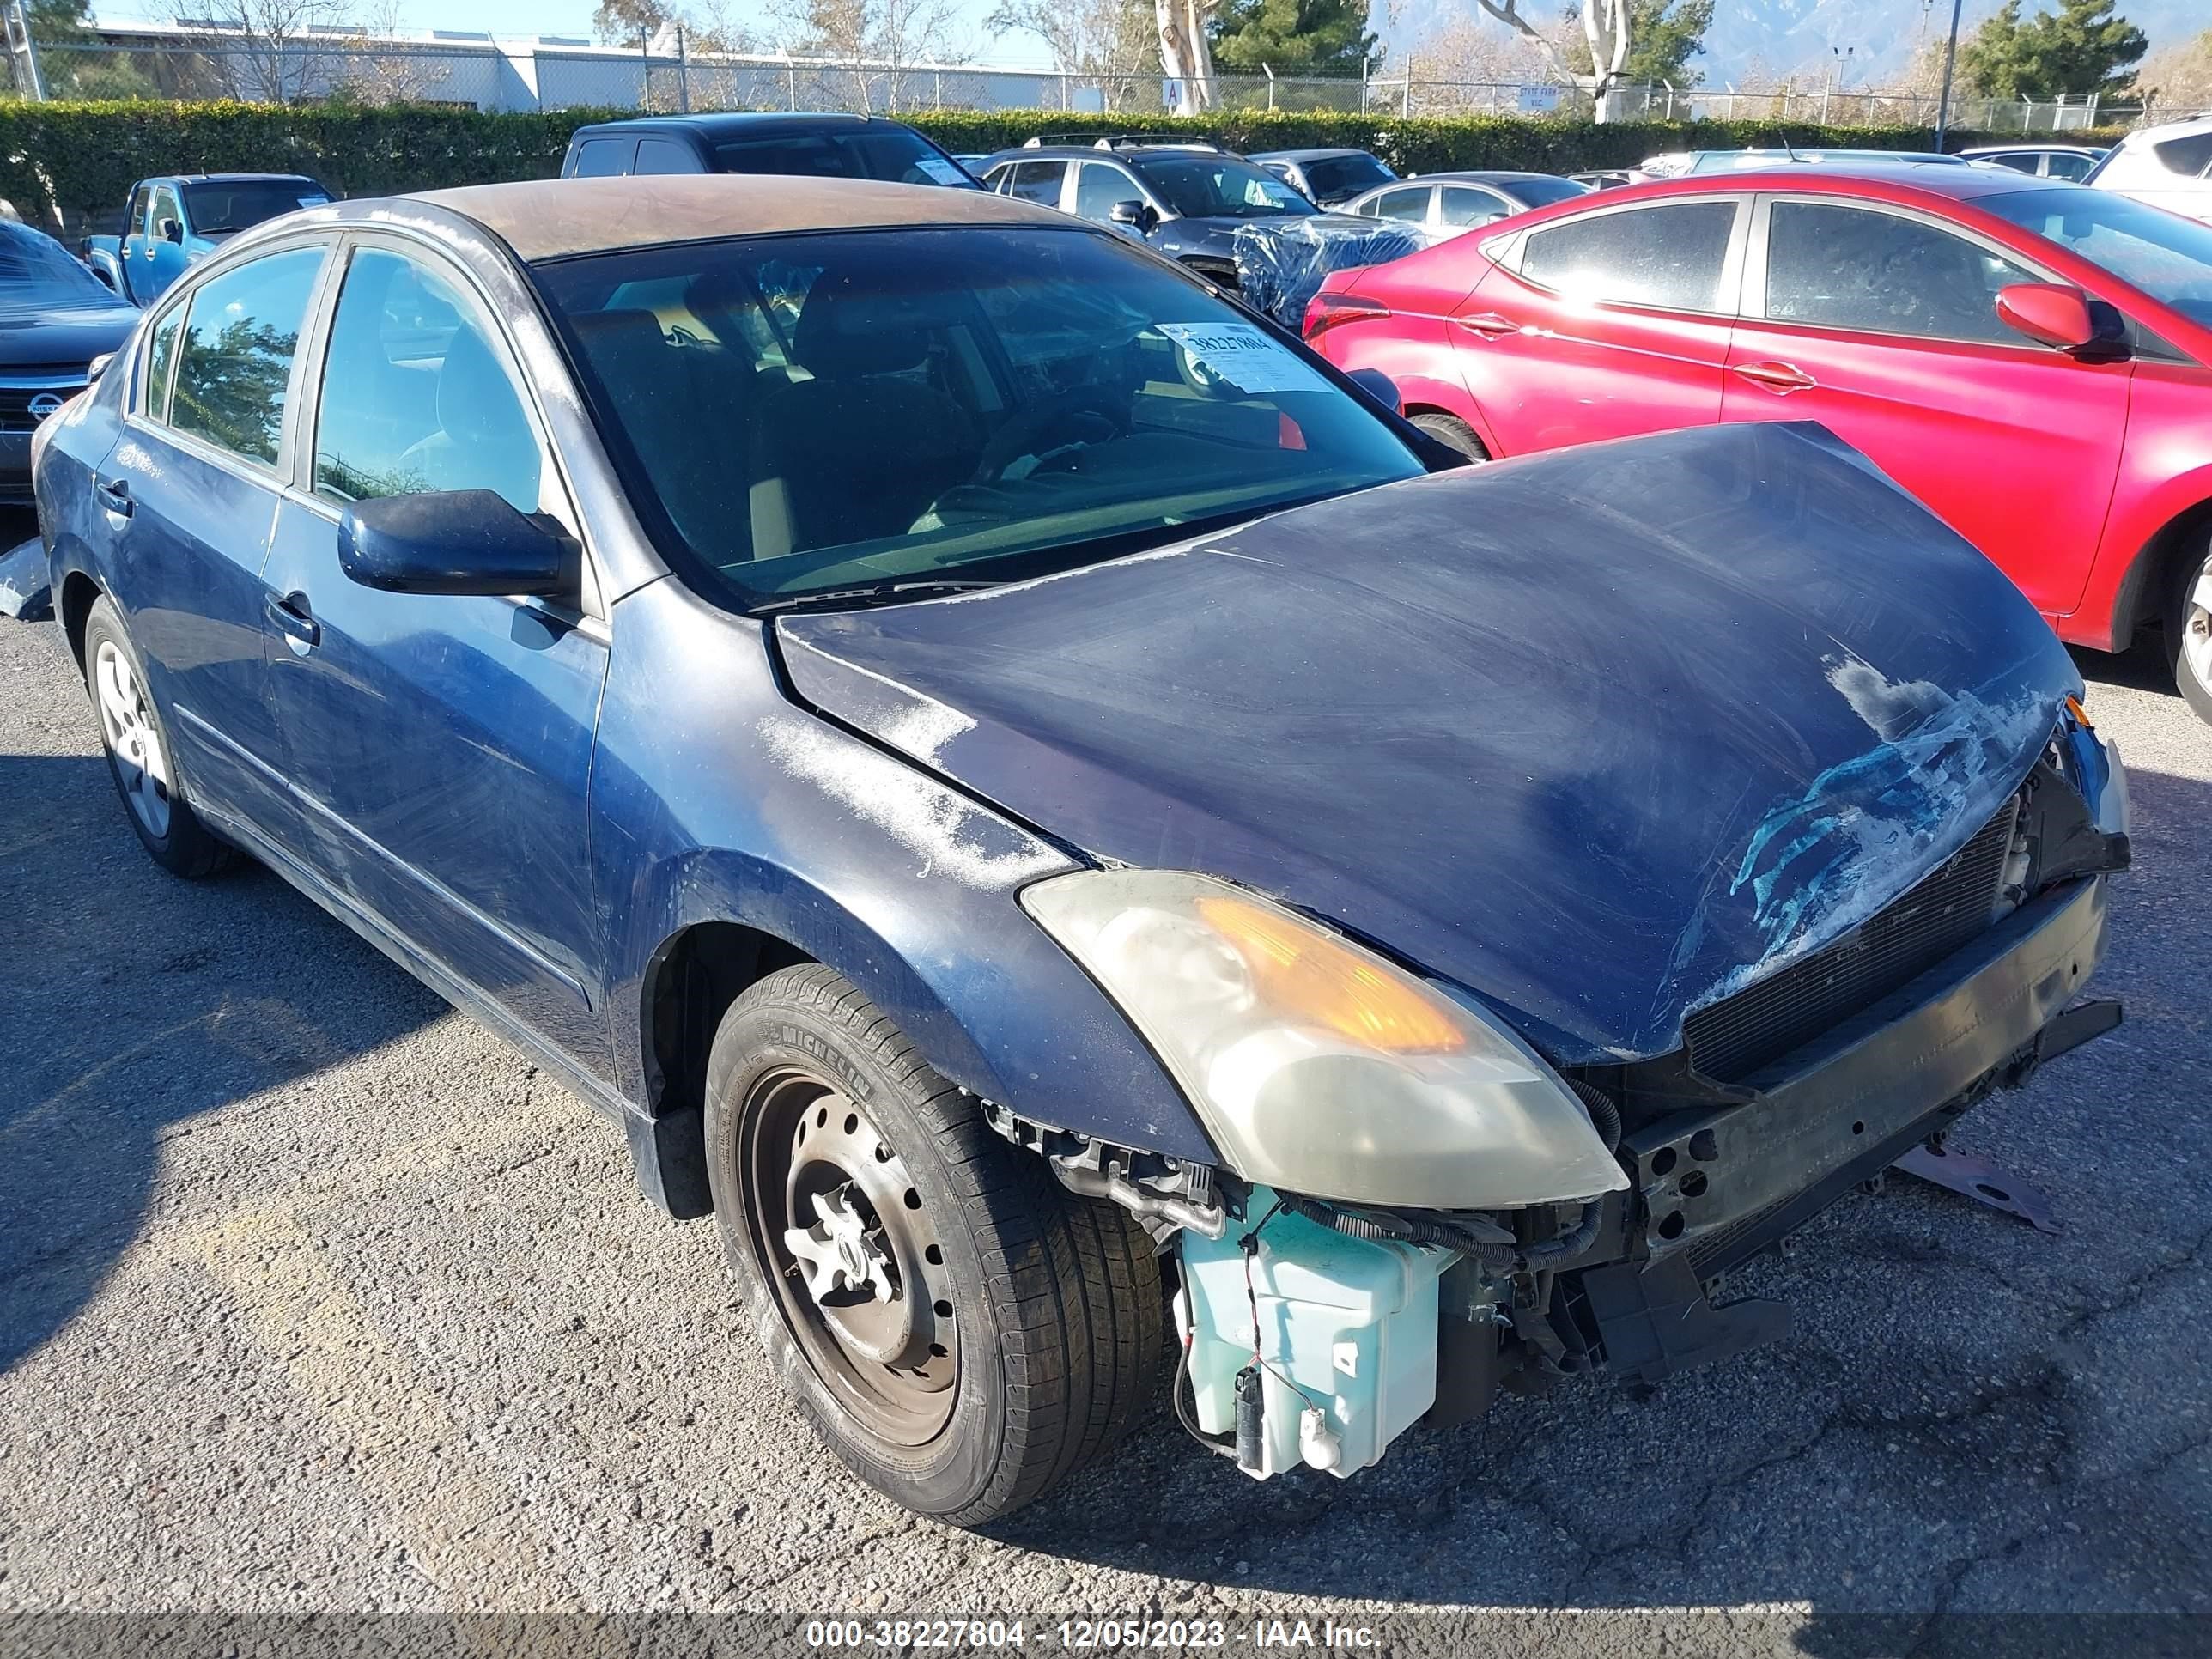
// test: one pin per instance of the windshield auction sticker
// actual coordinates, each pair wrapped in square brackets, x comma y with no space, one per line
[1243,354]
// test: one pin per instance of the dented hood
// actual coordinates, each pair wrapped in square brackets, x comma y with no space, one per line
[1602,735]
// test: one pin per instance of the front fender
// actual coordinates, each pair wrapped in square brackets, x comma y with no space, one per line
[728,803]
[2121,586]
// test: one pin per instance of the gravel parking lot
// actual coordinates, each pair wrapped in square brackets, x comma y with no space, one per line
[314,1297]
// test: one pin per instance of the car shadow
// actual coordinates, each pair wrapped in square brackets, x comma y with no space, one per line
[1968,1414]
[133,1004]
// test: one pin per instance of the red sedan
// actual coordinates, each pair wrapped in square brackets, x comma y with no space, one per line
[2028,358]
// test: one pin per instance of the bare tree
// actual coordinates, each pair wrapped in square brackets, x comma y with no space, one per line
[277,51]
[1186,54]
[891,44]
[1606,29]
[1106,43]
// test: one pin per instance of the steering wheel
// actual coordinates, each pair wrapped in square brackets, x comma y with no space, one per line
[1082,414]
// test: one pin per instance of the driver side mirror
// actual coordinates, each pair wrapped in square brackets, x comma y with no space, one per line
[457,542]
[1138,216]
[2060,315]
[169,230]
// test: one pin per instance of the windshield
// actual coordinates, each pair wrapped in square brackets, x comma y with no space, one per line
[2167,256]
[35,270]
[1542,193]
[1220,187]
[224,204]
[898,156]
[1337,178]
[863,410]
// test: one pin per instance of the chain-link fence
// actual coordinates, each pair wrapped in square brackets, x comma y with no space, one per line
[483,74]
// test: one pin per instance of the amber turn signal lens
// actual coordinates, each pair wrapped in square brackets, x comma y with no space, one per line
[1305,974]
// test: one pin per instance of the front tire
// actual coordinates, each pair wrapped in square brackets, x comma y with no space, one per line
[1450,430]
[964,1332]
[2189,635]
[139,757]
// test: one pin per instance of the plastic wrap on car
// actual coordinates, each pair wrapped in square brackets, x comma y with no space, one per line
[1281,263]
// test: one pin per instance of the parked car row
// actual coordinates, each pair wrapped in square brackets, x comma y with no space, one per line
[1082,836]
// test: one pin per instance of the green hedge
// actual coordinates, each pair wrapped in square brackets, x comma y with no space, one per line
[74,163]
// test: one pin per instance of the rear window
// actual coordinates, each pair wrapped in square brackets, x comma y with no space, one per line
[1345,175]
[222,205]
[895,155]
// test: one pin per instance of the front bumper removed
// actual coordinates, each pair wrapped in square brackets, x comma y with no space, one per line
[1311,1331]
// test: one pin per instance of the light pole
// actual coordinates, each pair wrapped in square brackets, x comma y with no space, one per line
[1950,55]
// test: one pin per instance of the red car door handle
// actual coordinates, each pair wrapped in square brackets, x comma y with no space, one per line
[1488,323]
[1782,377]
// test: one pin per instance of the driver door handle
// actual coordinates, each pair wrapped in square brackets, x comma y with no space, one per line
[291,616]
[1780,377]
[1488,323]
[115,495]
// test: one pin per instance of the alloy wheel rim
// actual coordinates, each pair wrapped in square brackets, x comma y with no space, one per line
[2196,629]
[127,725]
[853,1257]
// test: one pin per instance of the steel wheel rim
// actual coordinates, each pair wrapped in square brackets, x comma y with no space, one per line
[2196,629]
[872,1313]
[126,724]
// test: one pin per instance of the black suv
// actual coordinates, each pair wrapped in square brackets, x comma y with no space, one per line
[1186,197]
[807,143]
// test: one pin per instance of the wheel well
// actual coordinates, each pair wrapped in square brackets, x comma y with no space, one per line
[695,979]
[78,593]
[2149,581]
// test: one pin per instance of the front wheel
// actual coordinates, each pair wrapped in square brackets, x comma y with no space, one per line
[1453,432]
[963,1332]
[2189,635]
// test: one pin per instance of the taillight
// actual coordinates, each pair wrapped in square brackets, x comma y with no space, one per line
[1328,309]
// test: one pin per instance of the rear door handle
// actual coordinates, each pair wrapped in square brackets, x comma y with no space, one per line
[291,616]
[114,496]
[1488,323]
[1780,377]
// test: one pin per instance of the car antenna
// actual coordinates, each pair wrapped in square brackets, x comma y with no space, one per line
[1786,151]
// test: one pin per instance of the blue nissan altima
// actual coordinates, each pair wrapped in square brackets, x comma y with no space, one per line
[1075,832]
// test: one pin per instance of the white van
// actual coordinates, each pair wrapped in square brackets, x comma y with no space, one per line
[2169,167]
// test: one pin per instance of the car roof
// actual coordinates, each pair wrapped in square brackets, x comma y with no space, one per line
[1491,176]
[726,124]
[551,218]
[1099,152]
[2034,149]
[1308,155]
[229,179]
[1932,178]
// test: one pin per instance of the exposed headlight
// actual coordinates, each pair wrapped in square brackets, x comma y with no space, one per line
[1316,1065]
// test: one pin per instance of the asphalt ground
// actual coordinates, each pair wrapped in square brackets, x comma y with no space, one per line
[314,1297]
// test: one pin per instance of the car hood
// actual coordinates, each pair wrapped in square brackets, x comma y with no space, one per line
[70,333]
[1603,736]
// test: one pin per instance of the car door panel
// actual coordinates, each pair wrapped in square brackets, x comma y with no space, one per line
[1564,355]
[190,493]
[2015,446]
[442,744]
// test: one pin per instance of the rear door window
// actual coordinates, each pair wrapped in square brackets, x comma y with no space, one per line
[1845,267]
[1672,256]
[604,158]
[234,363]
[1037,182]
[2075,167]
[2191,157]
[667,156]
[1410,204]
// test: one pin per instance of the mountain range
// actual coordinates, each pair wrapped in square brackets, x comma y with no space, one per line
[1867,43]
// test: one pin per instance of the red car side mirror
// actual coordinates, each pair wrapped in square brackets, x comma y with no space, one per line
[2056,314]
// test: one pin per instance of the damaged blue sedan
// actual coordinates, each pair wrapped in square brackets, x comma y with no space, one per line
[1089,844]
